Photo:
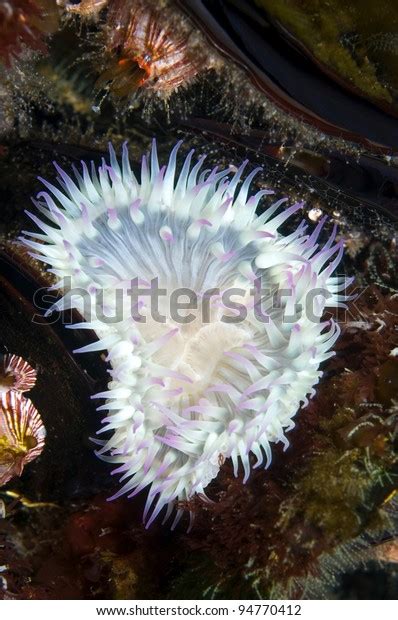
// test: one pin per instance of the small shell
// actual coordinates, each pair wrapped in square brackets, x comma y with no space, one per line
[16,374]
[22,434]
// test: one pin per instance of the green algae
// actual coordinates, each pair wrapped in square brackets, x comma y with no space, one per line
[356,40]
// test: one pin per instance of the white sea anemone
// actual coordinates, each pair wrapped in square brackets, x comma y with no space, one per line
[186,395]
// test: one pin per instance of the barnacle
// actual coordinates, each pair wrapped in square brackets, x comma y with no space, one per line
[148,46]
[22,434]
[16,374]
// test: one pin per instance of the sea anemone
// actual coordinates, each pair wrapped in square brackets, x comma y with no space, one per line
[219,378]
[22,434]
[16,374]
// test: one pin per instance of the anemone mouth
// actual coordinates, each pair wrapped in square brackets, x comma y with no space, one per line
[202,360]
[184,395]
